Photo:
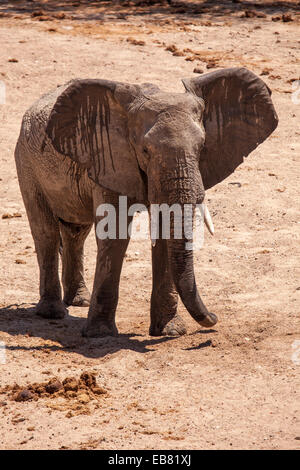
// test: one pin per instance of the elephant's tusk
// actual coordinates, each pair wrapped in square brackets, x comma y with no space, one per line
[153,229]
[207,219]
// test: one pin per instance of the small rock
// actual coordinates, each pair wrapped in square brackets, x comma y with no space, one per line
[135,42]
[45,18]
[190,58]
[211,65]
[287,17]
[275,77]
[253,14]
[178,54]
[248,14]
[18,420]
[171,48]
[99,391]
[60,15]
[206,23]
[198,70]
[11,216]
[37,13]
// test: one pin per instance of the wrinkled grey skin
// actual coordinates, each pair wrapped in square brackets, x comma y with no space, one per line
[148,147]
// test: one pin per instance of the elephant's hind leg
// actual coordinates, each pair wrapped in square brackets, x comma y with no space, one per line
[73,237]
[45,232]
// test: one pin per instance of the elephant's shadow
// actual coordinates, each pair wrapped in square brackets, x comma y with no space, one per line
[19,319]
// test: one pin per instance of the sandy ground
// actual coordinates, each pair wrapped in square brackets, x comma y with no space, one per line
[236,386]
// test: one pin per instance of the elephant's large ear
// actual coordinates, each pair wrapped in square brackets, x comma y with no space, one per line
[239,115]
[89,124]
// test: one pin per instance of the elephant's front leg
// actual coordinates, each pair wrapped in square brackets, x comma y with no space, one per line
[164,317]
[104,299]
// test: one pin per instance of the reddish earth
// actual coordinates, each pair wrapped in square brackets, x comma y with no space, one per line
[236,386]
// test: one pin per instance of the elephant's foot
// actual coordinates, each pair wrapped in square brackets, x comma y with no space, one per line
[210,320]
[81,298]
[99,330]
[172,327]
[51,309]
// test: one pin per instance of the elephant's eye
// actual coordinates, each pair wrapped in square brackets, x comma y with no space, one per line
[146,151]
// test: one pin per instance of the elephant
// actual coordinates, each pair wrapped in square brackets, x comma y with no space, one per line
[90,141]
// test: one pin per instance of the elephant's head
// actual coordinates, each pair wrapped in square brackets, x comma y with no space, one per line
[164,147]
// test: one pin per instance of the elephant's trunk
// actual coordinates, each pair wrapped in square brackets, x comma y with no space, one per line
[181,185]
[182,268]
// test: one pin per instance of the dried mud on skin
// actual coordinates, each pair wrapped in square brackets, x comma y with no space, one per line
[71,394]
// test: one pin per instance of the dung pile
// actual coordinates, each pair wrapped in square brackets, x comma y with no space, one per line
[83,390]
